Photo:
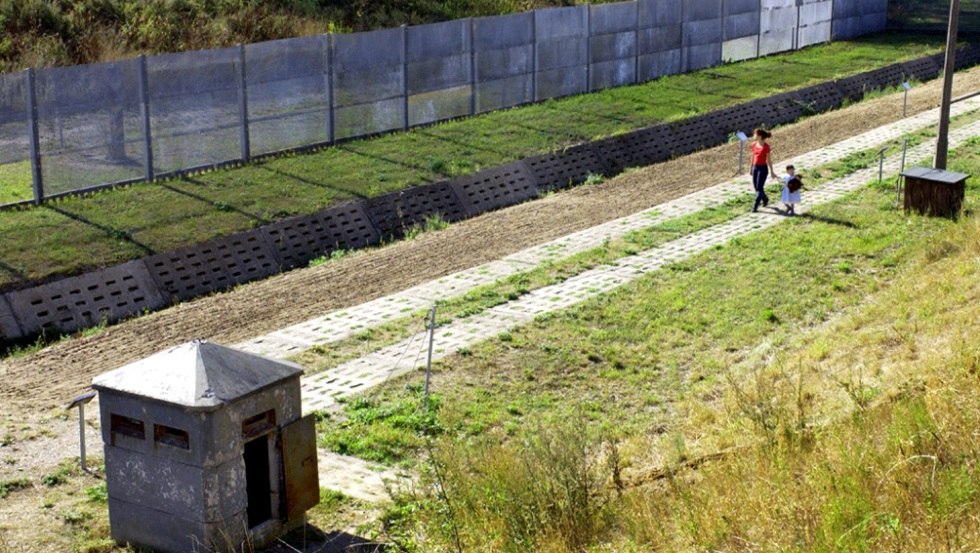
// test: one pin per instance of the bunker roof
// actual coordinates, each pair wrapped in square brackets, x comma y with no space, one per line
[197,374]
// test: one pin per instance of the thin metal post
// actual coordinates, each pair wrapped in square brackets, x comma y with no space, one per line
[80,402]
[898,182]
[881,163]
[428,361]
[473,89]
[942,141]
[81,433]
[243,104]
[33,136]
[144,92]
[404,77]
[905,99]
[741,148]
[329,75]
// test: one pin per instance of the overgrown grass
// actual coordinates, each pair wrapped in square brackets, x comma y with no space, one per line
[73,234]
[703,368]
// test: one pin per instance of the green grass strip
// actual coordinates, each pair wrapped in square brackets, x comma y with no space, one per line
[624,358]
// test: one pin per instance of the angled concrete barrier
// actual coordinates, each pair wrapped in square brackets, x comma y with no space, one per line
[922,69]
[86,300]
[565,168]
[9,327]
[298,240]
[213,265]
[823,97]
[782,108]
[634,149]
[691,135]
[495,188]
[743,117]
[393,213]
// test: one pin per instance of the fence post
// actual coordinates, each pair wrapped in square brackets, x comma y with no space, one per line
[32,134]
[636,45]
[243,104]
[144,91]
[331,125]
[534,56]
[588,47]
[473,89]
[796,32]
[404,77]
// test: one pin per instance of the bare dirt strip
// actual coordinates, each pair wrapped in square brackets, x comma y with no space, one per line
[37,383]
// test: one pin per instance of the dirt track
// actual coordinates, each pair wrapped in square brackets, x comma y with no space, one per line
[47,379]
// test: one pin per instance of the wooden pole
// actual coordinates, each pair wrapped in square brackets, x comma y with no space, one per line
[942,142]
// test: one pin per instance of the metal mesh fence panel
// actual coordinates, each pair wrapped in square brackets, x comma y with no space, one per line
[659,44]
[504,60]
[740,30]
[612,44]
[702,34]
[15,152]
[815,22]
[194,108]
[369,82]
[439,71]
[89,125]
[288,93]
[777,26]
[562,51]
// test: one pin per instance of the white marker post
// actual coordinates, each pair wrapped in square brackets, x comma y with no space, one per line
[741,146]
[905,102]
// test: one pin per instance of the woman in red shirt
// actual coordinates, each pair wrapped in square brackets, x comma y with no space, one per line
[761,167]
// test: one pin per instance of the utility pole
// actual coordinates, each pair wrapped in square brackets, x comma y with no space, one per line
[942,142]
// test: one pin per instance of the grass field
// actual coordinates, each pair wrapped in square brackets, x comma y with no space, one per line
[74,234]
[830,355]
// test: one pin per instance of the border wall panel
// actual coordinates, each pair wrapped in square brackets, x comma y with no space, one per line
[86,300]
[702,34]
[214,265]
[9,327]
[816,21]
[301,239]
[562,51]
[369,78]
[612,44]
[777,26]
[659,45]
[495,188]
[565,168]
[438,71]
[504,60]
[396,212]
[740,30]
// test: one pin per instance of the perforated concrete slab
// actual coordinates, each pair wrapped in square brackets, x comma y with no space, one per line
[86,300]
[300,239]
[213,265]
[495,188]
[395,212]
[563,168]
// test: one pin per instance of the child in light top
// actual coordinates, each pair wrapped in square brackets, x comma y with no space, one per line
[790,197]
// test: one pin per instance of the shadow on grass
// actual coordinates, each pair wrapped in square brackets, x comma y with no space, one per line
[310,539]
[217,204]
[828,220]
[116,234]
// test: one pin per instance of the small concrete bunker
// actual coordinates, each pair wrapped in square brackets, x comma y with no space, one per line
[205,449]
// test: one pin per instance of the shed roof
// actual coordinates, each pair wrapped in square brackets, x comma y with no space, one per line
[935,175]
[197,374]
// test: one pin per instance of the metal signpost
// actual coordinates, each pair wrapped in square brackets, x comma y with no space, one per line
[741,147]
[905,102]
[881,163]
[428,361]
[80,402]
